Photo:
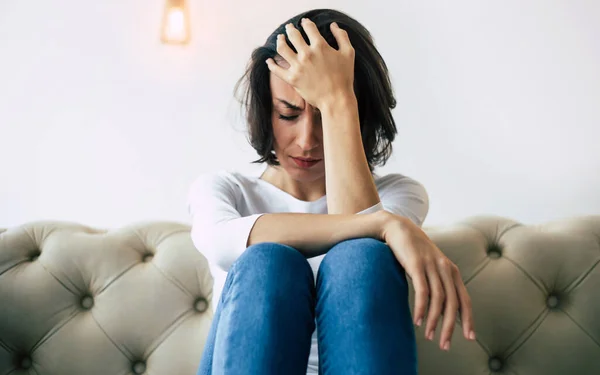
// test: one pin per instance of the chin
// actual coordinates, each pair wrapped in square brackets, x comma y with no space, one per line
[304,175]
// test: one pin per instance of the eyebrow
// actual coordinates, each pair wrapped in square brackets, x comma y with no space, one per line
[290,105]
[293,106]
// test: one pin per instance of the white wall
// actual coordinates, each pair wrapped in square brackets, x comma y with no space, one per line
[498,104]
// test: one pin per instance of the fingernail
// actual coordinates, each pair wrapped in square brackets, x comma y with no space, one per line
[472,335]
[447,346]
[335,24]
[430,336]
[420,321]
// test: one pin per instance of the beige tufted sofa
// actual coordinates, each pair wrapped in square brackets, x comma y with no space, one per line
[135,300]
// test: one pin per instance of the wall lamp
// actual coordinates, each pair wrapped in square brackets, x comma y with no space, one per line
[176,22]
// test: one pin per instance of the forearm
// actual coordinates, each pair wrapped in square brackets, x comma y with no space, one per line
[315,234]
[349,183]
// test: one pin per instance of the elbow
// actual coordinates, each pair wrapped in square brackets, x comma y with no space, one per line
[207,245]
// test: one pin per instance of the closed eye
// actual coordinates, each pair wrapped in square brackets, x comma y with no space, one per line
[287,118]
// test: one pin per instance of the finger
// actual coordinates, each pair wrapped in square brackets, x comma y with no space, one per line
[284,49]
[276,69]
[296,38]
[437,300]
[466,310]
[449,321]
[421,292]
[341,36]
[311,30]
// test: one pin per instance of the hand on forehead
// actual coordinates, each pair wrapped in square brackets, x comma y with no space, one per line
[283,90]
[281,62]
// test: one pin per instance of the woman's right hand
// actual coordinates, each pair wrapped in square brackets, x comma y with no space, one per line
[436,280]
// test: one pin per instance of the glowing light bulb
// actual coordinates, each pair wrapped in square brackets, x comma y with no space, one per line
[176,23]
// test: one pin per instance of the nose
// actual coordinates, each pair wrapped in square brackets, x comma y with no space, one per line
[309,131]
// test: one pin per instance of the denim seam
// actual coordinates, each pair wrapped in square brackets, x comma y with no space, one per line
[228,282]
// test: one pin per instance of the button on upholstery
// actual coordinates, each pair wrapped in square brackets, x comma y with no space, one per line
[34,256]
[494,251]
[201,304]
[495,364]
[552,301]
[26,363]
[494,254]
[148,257]
[139,367]
[87,302]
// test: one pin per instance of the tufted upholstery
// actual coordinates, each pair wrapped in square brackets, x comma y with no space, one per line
[535,292]
[77,300]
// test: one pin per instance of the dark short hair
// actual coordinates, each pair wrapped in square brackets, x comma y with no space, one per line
[372,88]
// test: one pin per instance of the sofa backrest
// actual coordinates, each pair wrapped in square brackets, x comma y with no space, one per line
[535,291]
[81,300]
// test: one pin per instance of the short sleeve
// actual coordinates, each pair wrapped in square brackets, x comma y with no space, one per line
[218,231]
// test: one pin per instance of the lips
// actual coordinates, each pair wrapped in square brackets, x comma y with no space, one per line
[305,163]
[306,159]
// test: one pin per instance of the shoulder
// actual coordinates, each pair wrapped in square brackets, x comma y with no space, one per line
[223,180]
[398,183]
[404,196]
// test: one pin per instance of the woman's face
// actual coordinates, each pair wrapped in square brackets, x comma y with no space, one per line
[298,132]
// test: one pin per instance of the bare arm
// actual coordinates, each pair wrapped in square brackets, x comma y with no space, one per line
[314,234]
[349,183]
[324,77]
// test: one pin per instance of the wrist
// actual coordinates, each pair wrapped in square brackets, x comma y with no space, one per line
[382,221]
[390,223]
[336,102]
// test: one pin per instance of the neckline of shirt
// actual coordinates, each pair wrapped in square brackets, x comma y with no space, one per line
[283,192]
[288,195]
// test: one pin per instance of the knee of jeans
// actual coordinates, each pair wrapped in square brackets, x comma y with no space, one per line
[360,257]
[273,257]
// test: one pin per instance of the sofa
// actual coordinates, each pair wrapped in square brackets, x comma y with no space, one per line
[136,300]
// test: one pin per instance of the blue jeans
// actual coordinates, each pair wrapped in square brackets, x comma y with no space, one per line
[266,315]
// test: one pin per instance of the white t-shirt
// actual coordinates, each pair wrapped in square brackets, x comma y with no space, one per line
[225,205]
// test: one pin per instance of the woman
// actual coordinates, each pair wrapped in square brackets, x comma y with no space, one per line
[310,258]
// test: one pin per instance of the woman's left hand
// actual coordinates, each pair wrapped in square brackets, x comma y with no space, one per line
[437,281]
[318,72]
